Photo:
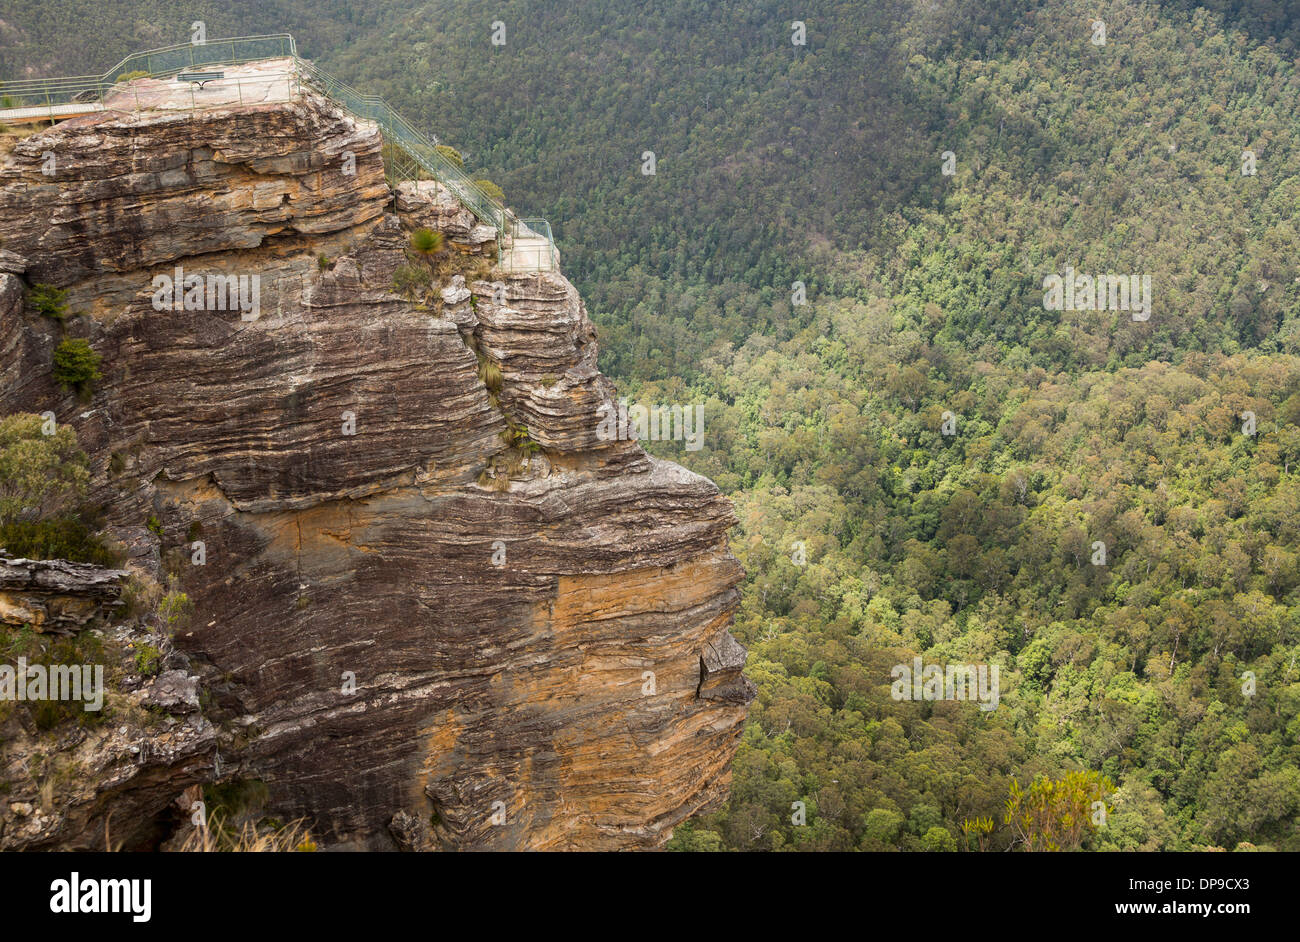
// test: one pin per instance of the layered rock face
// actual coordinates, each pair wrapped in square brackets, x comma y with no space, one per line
[55,596]
[415,635]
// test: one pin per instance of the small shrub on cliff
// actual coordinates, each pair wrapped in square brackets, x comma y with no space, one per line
[490,373]
[518,438]
[41,476]
[132,75]
[49,301]
[175,608]
[42,480]
[140,596]
[64,538]
[451,154]
[491,189]
[76,365]
[426,243]
[411,281]
[148,659]
[84,647]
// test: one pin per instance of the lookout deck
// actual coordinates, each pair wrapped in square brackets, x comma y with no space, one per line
[259,70]
[48,112]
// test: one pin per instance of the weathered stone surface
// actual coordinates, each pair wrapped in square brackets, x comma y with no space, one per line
[174,692]
[410,833]
[53,595]
[428,203]
[382,638]
[11,263]
[720,671]
[117,785]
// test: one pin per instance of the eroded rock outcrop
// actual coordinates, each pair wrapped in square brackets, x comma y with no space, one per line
[54,595]
[98,764]
[414,633]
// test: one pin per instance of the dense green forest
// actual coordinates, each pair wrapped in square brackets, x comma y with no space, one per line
[1167,669]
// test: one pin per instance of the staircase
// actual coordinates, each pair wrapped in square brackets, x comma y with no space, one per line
[524,245]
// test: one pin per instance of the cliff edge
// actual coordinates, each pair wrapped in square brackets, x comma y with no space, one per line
[435,607]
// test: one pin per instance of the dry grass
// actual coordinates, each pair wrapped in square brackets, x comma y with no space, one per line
[11,135]
[216,838]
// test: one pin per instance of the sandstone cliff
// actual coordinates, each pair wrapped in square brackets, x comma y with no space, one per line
[411,632]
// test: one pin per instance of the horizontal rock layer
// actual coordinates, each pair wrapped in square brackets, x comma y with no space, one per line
[54,595]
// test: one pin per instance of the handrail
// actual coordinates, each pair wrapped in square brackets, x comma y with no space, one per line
[287,44]
[165,61]
[423,151]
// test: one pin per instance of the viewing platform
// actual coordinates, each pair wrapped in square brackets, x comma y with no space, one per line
[260,70]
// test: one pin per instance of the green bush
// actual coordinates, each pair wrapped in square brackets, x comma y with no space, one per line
[41,476]
[490,373]
[882,825]
[61,538]
[521,440]
[48,300]
[426,243]
[411,281]
[938,840]
[491,189]
[48,650]
[451,154]
[132,75]
[148,659]
[76,365]
[175,608]
[42,481]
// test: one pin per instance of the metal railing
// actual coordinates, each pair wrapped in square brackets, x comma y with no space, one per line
[532,247]
[526,244]
[168,60]
[418,148]
[156,63]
